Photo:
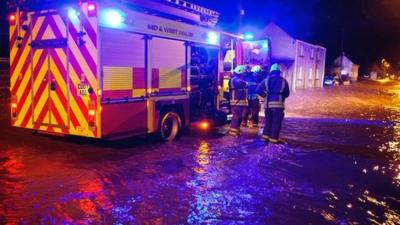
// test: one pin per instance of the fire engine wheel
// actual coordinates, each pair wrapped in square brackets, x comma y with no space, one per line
[170,126]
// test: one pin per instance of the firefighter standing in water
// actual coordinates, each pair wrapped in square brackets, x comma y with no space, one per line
[275,89]
[238,99]
[253,79]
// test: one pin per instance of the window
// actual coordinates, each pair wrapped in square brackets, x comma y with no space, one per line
[310,75]
[312,54]
[301,50]
[300,74]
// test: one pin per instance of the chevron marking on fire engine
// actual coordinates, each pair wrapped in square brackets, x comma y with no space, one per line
[83,63]
[19,63]
[65,109]
[82,68]
[81,53]
[20,66]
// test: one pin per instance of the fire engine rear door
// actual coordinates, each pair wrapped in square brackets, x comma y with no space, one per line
[50,73]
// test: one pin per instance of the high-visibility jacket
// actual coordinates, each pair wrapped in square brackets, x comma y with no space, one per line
[238,92]
[252,80]
[275,89]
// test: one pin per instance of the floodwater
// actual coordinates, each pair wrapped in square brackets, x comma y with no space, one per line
[341,166]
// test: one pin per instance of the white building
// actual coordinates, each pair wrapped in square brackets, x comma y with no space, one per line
[343,66]
[304,62]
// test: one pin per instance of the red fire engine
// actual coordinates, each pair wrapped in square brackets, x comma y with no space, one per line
[112,69]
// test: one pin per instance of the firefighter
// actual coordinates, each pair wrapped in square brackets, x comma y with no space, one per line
[275,89]
[238,99]
[253,109]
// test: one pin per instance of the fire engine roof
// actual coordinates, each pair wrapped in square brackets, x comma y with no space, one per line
[173,9]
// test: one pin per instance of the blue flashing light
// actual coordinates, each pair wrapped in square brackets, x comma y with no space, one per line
[213,38]
[248,36]
[114,18]
[73,15]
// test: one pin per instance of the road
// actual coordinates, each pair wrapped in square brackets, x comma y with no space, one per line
[341,166]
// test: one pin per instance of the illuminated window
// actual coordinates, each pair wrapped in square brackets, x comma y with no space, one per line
[310,75]
[312,54]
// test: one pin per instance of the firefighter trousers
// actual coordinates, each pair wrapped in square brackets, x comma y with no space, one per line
[253,110]
[273,123]
[237,117]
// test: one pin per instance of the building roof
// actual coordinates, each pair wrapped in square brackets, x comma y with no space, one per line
[344,61]
[273,28]
[282,44]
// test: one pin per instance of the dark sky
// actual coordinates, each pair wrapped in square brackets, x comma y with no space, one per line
[371,27]
[3,29]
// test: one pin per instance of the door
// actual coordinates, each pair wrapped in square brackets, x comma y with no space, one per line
[50,74]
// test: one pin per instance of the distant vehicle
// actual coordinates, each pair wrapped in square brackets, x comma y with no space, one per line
[373,75]
[329,80]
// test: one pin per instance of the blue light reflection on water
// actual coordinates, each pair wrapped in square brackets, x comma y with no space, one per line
[225,180]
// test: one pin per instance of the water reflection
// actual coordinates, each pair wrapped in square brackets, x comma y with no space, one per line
[334,171]
[201,184]
[11,172]
[221,189]
[392,146]
[390,216]
[202,157]
[93,201]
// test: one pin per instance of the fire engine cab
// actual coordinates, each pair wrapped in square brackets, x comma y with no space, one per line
[113,69]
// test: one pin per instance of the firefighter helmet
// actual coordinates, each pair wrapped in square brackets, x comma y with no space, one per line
[256,69]
[240,69]
[275,68]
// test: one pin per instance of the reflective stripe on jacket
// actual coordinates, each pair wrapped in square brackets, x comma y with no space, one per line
[252,83]
[275,89]
[238,92]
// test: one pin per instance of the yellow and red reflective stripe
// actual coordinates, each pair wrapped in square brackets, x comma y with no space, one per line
[52,26]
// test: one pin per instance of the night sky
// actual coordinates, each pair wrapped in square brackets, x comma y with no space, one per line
[371,28]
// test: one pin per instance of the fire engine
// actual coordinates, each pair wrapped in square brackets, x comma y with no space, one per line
[113,69]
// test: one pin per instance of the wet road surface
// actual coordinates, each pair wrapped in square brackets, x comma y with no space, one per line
[341,166]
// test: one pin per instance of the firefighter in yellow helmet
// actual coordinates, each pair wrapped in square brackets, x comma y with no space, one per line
[237,99]
[275,89]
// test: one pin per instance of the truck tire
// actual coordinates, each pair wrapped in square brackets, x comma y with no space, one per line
[170,126]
